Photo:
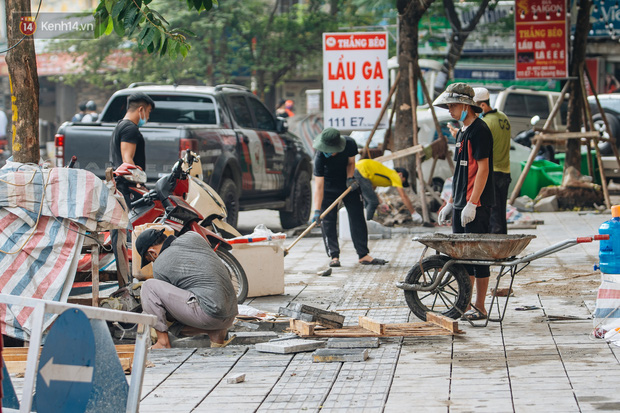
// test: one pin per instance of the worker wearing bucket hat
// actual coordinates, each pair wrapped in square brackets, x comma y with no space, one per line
[472,185]
[334,165]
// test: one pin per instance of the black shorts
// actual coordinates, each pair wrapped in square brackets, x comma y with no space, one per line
[480,225]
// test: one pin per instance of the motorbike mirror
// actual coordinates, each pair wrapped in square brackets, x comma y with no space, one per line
[535,120]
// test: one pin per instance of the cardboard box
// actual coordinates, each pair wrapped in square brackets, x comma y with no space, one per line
[263,264]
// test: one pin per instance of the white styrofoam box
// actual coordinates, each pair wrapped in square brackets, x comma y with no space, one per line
[263,264]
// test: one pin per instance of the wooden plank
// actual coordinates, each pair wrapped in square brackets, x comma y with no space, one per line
[400,154]
[570,135]
[16,367]
[80,301]
[372,325]
[443,321]
[301,327]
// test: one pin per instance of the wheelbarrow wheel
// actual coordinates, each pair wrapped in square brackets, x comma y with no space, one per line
[450,298]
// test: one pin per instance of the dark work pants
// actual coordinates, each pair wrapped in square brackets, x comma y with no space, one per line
[359,232]
[498,225]
[371,200]
[480,225]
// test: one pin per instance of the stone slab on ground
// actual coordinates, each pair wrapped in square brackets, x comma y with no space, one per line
[353,342]
[329,355]
[289,346]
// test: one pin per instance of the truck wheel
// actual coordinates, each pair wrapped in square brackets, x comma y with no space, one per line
[614,125]
[302,203]
[230,195]
[237,274]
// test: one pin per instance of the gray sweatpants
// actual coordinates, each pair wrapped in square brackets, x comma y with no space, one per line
[160,298]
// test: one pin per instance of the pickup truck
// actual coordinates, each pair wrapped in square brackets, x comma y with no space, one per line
[521,105]
[248,156]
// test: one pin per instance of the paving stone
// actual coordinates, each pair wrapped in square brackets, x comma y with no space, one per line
[536,365]
[289,346]
[328,355]
[353,342]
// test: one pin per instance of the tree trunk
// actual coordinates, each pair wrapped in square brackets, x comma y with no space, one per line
[24,81]
[410,12]
[457,41]
[576,97]
[457,44]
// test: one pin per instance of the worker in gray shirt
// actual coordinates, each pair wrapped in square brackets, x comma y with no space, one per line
[190,284]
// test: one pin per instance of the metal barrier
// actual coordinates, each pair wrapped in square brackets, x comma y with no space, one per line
[42,307]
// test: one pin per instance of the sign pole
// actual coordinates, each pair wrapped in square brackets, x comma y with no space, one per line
[33,358]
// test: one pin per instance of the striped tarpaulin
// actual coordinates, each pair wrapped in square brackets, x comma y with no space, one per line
[607,312]
[44,214]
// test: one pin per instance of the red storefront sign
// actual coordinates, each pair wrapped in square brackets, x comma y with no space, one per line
[541,39]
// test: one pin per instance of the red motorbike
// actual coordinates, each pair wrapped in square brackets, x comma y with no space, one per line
[167,204]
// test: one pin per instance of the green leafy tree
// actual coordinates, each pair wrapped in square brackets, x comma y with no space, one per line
[131,18]
[135,19]
[458,37]
[236,42]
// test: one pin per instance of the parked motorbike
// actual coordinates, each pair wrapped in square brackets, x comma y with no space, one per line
[184,203]
[524,138]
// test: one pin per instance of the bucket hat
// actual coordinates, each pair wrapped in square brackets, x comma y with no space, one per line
[457,93]
[144,241]
[329,141]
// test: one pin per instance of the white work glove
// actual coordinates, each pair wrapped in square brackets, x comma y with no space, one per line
[445,213]
[417,218]
[468,214]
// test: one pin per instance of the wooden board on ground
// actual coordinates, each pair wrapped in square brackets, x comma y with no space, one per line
[438,326]
[15,358]
[372,325]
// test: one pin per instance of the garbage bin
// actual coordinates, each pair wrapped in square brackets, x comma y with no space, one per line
[561,158]
[541,174]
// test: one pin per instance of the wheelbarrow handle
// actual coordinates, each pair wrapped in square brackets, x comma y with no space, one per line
[600,237]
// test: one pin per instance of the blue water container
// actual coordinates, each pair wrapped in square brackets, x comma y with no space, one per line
[609,252]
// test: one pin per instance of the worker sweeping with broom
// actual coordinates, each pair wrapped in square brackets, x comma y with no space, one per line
[334,165]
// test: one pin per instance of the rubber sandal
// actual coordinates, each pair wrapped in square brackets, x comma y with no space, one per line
[335,262]
[375,261]
[474,315]
[224,344]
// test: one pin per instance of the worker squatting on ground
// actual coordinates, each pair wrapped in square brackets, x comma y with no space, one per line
[334,165]
[370,174]
[472,185]
[499,125]
[190,284]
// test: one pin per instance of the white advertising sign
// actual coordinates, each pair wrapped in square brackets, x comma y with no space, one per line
[355,79]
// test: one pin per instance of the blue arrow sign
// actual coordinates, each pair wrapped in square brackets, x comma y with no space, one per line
[66,365]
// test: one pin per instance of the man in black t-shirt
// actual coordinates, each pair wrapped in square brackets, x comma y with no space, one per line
[334,165]
[472,184]
[127,144]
